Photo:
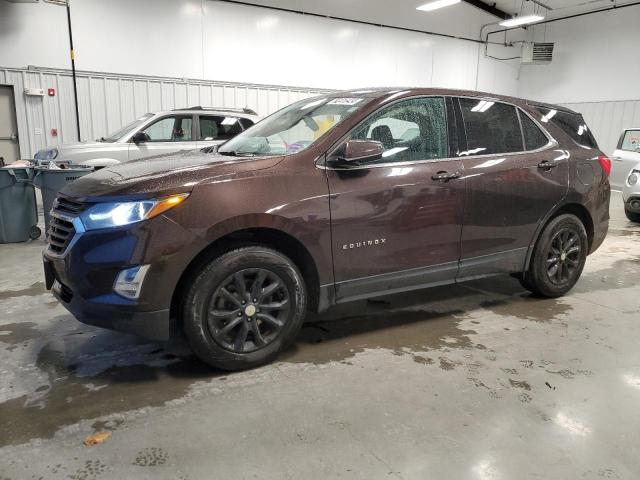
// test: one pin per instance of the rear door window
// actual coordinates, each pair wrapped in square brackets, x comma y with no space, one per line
[218,127]
[630,141]
[491,127]
[570,123]
[246,123]
[534,138]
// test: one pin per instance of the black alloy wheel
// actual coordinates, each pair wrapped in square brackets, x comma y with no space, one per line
[248,310]
[563,257]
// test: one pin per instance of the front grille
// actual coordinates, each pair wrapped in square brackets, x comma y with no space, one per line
[61,230]
[68,206]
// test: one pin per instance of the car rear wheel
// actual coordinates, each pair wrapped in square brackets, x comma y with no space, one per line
[244,307]
[633,216]
[558,257]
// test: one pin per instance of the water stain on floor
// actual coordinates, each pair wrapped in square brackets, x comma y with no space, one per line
[72,398]
[15,333]
[94,373]
[36,288]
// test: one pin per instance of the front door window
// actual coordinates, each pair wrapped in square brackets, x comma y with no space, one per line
[411,130]
[176,128]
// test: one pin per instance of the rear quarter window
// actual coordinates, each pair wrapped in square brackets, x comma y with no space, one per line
[534,138]
[570,123]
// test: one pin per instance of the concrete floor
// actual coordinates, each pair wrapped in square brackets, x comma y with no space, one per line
[479,381]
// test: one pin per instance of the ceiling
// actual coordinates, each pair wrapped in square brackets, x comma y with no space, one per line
[402,13]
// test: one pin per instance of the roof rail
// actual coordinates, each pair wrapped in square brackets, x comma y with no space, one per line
[246,110]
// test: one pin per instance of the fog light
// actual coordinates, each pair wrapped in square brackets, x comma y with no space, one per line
[633,179]
[129,281]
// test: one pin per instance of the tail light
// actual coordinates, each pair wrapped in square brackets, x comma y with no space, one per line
[605,163]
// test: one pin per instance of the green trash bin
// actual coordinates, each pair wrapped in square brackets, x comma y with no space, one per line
[18,209]
[51,180]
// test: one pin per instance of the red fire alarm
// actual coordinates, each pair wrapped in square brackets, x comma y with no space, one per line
[54,132]
[51,92]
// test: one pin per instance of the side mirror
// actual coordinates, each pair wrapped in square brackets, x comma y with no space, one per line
[140,137]
[356,151]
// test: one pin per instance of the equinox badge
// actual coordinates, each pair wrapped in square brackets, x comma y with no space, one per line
[366,243]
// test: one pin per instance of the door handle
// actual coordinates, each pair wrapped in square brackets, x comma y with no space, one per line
[445,176]
[618,159]
[547,165]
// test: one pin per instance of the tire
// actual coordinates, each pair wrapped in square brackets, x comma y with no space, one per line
[632,216]
[556,247]
[213,302]
[525,282]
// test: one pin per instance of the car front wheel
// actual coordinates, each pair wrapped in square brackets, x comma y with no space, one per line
[558,257]
[244,307]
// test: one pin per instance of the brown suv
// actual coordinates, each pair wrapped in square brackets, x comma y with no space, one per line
[335,198]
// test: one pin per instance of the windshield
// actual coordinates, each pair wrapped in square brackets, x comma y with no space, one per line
[118,134]
[293,128]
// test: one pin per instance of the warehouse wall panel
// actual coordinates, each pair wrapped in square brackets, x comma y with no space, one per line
[106,102]
[595,59]
[608,119]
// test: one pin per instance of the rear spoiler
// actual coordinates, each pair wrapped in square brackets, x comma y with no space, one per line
[552,107]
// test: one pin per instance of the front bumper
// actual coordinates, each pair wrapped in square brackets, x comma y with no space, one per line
[83,278]
[156,325]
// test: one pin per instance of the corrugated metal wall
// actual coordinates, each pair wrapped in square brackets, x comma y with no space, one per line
[607,119]
[108,101]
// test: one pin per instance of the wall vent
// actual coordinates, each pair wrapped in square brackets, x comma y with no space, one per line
[537,53]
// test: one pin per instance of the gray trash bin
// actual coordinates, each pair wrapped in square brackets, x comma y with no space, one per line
[50,182]
[18,210]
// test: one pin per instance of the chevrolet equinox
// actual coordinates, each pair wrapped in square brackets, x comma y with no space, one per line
[332,199]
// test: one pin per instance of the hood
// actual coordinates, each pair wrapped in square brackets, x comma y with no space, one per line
[162,175]
[72,147]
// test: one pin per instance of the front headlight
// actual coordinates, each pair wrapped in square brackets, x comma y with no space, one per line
[46,154]
[117,214]
[633,178]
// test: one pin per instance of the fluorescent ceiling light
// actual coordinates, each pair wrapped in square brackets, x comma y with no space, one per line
[515,21]
[427,7]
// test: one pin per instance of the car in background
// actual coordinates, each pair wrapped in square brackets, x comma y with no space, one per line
[625,157]
[157,133]
[631,194]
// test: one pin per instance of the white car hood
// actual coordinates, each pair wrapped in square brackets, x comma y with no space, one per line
[74,147]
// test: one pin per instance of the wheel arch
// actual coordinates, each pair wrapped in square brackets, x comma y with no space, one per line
[274,238]
[576,209]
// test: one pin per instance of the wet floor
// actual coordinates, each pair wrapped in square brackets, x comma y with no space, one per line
[480,380]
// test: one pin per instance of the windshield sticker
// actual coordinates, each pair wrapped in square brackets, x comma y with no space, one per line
[344,101]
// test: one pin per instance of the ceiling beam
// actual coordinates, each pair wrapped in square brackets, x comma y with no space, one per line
[491,9]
